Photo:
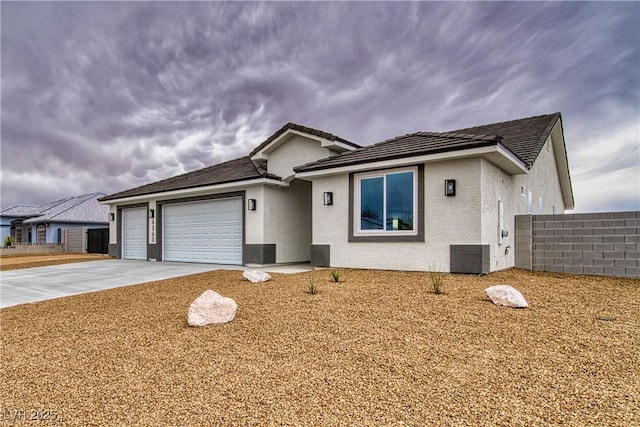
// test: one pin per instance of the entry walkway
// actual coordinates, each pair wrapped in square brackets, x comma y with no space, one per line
[42,283]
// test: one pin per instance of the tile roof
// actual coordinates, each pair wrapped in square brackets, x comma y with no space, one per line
[240,169]
[413,144]
[523,137]
[307,130]
[83,208]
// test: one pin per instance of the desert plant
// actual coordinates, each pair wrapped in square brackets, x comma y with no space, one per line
[312,285]
[336,275]
[436,280]
[8,242]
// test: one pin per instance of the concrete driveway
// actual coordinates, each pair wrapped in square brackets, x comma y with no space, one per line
[42,283]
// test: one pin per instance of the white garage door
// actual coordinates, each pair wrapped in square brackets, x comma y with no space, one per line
[209,232]
[134,233]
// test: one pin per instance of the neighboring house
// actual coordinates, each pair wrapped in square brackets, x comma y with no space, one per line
[44,223]
[420,201]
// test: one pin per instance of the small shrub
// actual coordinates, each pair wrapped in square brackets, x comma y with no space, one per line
[436,280]
[312,285]
[336,275]
[8,242]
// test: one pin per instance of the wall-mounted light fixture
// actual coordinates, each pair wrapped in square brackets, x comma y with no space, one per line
[449,187]
[251,204]
[112,216]
[328,198]
[152,213]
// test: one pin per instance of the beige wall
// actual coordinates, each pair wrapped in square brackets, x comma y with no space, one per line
[542,180]
[287,218]
[447,220]
[470,217]
[296,151]
[254,220]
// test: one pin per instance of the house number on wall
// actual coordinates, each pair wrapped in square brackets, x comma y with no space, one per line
[152,230]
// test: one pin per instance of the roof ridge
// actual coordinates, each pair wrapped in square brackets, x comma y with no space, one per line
[508,121]
[52,205]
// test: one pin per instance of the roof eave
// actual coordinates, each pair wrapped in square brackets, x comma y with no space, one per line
[562,163]
[495,153]
[192,191]
[332,144]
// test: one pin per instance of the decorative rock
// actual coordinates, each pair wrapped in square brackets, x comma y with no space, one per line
[506,295]
[256,276]
[211,307]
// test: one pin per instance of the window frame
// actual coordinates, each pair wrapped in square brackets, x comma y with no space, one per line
[415,235]
[41,233]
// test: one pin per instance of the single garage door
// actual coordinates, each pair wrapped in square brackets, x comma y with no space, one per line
[208,232]
[134,233]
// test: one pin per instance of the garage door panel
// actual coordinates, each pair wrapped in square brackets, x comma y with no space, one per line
[209,231]
[134,233]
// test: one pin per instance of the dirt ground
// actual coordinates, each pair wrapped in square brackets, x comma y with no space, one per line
[380,348]
[29,261]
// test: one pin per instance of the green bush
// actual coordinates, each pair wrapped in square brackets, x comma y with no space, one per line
[8,241]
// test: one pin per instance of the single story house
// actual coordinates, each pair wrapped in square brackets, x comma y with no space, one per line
[44,223]
[420,201]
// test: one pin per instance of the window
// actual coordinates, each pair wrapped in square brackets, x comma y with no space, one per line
[386,202]
[40,233]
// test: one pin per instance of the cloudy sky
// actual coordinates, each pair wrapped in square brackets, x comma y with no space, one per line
[108,96]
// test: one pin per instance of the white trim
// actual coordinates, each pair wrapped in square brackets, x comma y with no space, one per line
[496,154]
[196,191]
[263,154]
[358,208]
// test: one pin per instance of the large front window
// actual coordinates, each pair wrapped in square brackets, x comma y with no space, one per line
[386,202]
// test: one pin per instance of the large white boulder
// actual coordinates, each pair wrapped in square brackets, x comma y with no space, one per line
[506,295]
[211,307]
[256,276]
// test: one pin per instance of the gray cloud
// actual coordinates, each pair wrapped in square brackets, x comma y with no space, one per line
[107,96]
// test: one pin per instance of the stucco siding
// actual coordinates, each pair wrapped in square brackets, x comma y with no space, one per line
[498,189]
[254,220]
[497,186]
[447,220]
[294,152]
[543,181]
[287,217]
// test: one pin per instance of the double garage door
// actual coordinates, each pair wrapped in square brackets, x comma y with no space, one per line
[207,232]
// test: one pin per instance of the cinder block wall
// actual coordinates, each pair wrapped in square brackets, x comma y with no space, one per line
[32,249]
[75,240]
[606,243]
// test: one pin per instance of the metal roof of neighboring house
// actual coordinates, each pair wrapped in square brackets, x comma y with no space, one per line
[83,208]
[523,137]
[240,169]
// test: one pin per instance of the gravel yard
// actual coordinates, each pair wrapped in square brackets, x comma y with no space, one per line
[377,349]
[29,261]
